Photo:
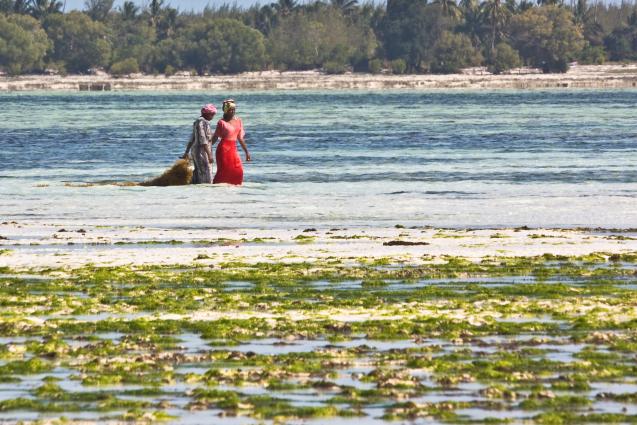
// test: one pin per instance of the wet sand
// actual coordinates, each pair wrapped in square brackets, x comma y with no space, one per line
[33,245]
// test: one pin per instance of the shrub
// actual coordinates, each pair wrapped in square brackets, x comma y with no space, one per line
[78,41]
[547,37]
[125,67]
[169,70]
[505,57]
[398,66]
[309,39]
[132,40]
[410,28]
[593,55]
[559,65]
[56,68]
[222,45]
[621,44]
[454,52]
[23,44]
[334,67]
[375,66]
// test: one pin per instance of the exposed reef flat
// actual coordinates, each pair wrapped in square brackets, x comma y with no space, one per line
[583,76]
[113,324]
[31,245]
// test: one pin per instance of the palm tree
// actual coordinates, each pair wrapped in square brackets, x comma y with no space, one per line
[632,19]
[6,6]
[468,5]
[128,10]
[549,2]
[525,5]
[346,6]
[511,5]
[284,7]
[167,23]
[495,14]
[156,7]
[473,25]
[264,19]
[449,8]
[21,6]
[585,18]
[98,9]
[314,6]
[40,9]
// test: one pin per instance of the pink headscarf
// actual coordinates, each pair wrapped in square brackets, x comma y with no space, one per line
[208,109]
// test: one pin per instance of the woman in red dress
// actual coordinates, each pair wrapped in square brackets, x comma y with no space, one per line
[229,130]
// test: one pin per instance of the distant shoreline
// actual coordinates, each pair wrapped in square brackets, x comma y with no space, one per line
[582,76]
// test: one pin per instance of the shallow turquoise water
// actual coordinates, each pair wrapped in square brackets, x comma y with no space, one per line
[455,158]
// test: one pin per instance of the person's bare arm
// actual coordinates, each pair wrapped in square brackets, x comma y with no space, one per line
[245,147]
[243,143]
[190,143]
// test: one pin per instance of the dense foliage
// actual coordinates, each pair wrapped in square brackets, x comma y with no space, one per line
[547,37]
[23,44]
[439,36]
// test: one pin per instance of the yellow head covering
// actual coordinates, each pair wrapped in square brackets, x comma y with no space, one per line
[228,104]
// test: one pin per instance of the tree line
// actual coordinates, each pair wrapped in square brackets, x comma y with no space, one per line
[403,36]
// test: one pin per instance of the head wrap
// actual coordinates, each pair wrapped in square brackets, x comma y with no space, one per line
[228,104]
[208,109]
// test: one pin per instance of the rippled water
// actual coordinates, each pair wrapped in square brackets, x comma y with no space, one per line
[455,158]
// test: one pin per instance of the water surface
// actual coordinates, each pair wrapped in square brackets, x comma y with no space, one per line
[443,158]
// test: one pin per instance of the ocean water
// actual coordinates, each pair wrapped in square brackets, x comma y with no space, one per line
[441,158]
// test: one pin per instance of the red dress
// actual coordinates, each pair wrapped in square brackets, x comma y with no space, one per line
[229,168]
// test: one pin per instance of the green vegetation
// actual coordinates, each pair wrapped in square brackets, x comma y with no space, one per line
[79,43]
[413,36]
[438,340]
[222,46]
[547,37]
[324,37]
[453,52]
[504,58]
[125,67]
[23,44]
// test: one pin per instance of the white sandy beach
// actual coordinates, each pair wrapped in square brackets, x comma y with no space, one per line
[579,76]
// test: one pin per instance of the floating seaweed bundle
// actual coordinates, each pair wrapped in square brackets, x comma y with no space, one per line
[178,175]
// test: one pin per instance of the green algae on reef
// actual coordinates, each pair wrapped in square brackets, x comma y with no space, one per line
[548,338]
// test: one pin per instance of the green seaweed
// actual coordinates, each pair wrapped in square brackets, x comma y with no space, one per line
[460,318]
